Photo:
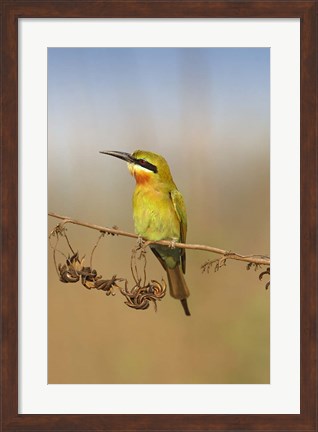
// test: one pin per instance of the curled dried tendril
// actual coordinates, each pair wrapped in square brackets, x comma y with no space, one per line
[266,272]
[260,277]
[141,296]
[142,293]
[73,270]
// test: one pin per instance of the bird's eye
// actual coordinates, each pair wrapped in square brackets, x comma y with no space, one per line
[147,165]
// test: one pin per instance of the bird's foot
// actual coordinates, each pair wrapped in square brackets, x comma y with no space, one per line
[172,244]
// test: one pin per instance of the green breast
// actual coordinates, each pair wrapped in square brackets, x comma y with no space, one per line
[154,215]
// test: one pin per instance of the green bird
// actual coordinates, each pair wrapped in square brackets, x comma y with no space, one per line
[159,214]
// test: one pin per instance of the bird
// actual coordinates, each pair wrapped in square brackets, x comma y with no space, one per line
[159,213]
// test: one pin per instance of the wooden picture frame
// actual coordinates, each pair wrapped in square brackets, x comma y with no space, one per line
[11,12]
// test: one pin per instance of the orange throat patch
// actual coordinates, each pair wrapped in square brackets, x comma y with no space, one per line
[141,175]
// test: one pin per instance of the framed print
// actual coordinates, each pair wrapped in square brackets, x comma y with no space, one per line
[212,106]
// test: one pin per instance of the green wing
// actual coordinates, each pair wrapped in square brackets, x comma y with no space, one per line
[180,209]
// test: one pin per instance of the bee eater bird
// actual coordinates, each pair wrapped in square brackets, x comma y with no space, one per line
[159,214]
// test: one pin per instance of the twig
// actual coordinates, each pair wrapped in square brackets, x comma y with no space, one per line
[94,248]
[256,259]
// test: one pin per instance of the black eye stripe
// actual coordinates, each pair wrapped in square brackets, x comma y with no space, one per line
[148,165]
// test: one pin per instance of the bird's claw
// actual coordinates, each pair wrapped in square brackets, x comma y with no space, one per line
[172,244]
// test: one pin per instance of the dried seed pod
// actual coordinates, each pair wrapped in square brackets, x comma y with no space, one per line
[67,274]
[107,285]
[267,272]
[88,277]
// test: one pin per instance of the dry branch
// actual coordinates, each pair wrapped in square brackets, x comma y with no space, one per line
[255,259]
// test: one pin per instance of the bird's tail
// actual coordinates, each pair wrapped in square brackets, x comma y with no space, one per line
[178,286]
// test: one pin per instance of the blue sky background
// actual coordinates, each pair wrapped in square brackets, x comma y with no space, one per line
[154,90]
[207,111]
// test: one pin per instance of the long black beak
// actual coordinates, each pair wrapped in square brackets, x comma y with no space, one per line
[120,155]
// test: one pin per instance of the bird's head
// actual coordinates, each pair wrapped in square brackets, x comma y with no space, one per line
[145,166]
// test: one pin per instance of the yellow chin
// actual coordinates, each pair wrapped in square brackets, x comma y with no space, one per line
[131,168]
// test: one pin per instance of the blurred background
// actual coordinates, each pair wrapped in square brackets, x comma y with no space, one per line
[207,111]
